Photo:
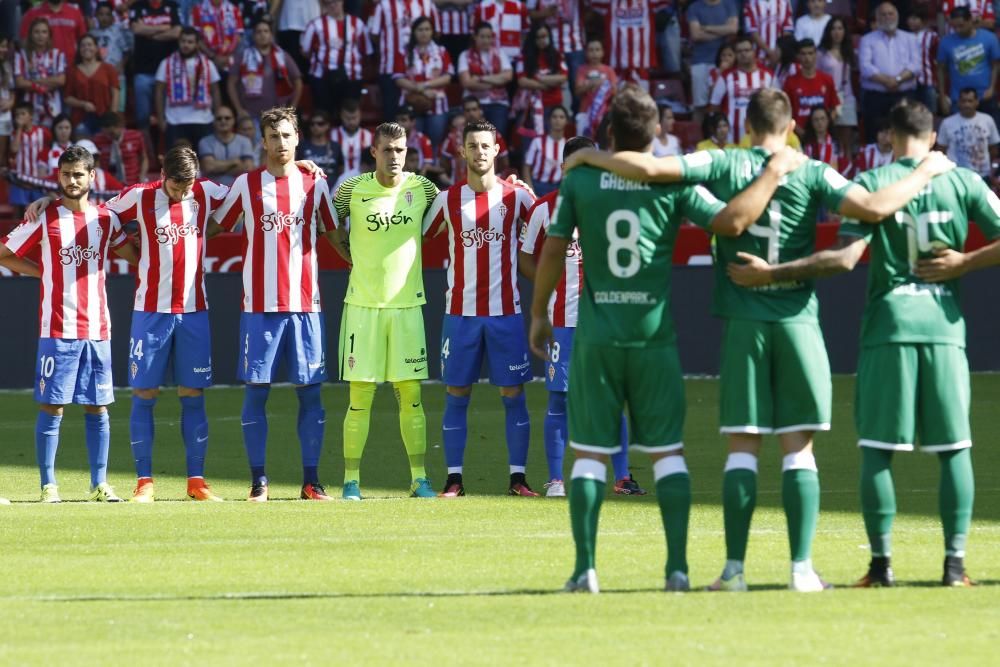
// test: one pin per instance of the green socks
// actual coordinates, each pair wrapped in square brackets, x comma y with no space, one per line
[356,428]
[800,498]
[412,425]
[878,498]
[739,497]
[586,492]
[956,494]
[673,493]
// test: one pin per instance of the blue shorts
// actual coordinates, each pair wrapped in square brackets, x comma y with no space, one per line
[157,338]
[501,337]
[557,367]
[267,339]
[69,370]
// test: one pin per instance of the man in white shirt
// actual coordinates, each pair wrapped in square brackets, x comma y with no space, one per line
[970,136]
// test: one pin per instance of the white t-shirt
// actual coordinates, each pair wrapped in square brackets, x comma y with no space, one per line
[296,14]
[969,139]
[186,114]
[806,27]
[671,147]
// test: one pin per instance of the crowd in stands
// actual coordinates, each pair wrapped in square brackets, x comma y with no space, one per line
[135,77]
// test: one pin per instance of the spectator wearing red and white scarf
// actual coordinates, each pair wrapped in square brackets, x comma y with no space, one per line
[820,145]
[484,72]
[429,70]
[391,26]
[268,76]
[336,45]
[40,71]
[187,90]
[596,84]
[221,26]
[542,169]
[540,78]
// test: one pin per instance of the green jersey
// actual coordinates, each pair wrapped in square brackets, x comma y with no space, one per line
[385,237]
[626,231]
[787,231]
[901,308]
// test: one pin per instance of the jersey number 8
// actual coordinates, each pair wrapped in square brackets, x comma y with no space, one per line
[623,247]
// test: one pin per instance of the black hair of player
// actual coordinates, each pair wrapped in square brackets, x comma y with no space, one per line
[77,154]
[479,126]
[575,144]
[910,118]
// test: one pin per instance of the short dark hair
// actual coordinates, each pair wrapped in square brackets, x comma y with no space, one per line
[24,106]
[104,5]
[350,105]
[963,91]
[559,107]
[77,154]
[769,111]
[390,131]
[804,44]
[112,119]
[180,163]
[479,126]
[406,110]
[961,12]
[471,98]
[480,26]
[911,119]
[575,144]
[189,30]
[740,38]
[634,116]
[275,115]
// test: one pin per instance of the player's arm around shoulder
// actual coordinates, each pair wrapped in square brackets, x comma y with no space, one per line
[874,206]
[746,208]
[628,164]
[436,217]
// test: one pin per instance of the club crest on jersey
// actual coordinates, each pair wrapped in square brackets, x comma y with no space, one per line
[552,372]
[41,385]
[350,362]
[408,196]
[279,222]
[502,210]
[134,369]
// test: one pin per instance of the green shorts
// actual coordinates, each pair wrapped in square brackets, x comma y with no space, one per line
[909,392]
[382,344]
[774,378]
[603,380]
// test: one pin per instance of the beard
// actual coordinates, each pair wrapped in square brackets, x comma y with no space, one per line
[477,171]
[888,26]
[84,191]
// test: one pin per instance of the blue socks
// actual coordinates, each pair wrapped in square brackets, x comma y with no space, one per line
[518,430]
[619,461]
[46,444]
[311,425]
[455,430]
[556,430]
[98,443]
[141,430]
[194,428]
[254,421]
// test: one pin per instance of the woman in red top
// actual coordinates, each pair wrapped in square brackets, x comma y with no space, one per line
[428,71]
[540,79]
[92,87]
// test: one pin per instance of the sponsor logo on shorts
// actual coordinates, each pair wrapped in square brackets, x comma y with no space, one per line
[415,360]
[202,369]
[41,386]
[101,387]
[133,369]
[520,367]
[171,234]
[480,237]
[350,362]
[314,367]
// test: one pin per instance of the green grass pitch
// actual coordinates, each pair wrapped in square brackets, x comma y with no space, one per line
[393,580]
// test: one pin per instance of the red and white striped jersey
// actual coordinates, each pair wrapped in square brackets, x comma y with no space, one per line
[827,151]
[768,18]
[732,92]
[631,32]
[483,230]
[430,63]
[282,220]
[352,146]
[52,155]
[928,43]
[31,152]
[391,23]
[334,44]
[478,63]
[42,65]
[980,9]
[565,25]
[421,143]
[74,257]
[870,157]
[510,21]
[454,21]
[545,155]
[564,303]
[171,272]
